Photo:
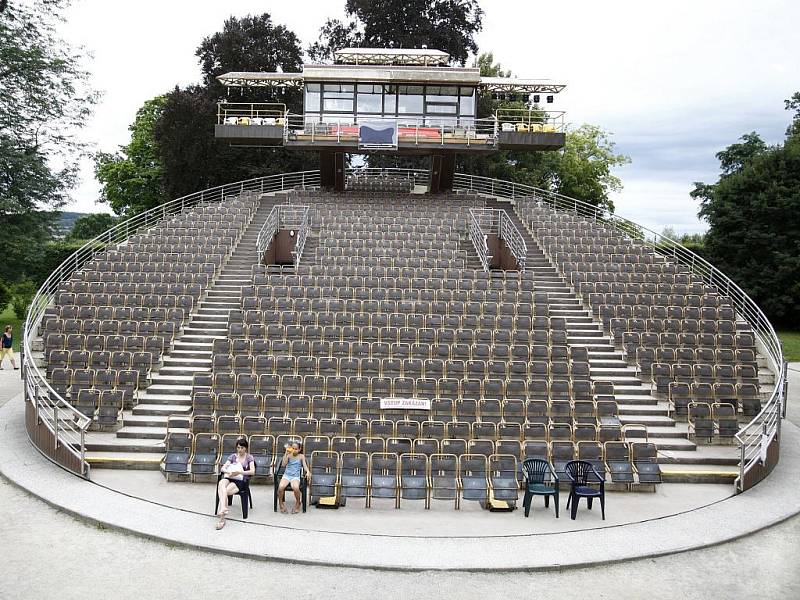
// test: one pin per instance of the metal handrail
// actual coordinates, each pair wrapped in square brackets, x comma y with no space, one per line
[66,423]
[284,216]
[268,231]
[251,113]
[514,239]
[756,435]
[496,221]
[478,238]
[428,130]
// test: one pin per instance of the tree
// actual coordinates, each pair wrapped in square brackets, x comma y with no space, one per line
[90,226]
[581,170]
[252,43]
[194,160]
[44,101]
[753,212]
[446,25]
[132,181]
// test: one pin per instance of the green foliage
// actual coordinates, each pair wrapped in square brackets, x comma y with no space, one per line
[251,43]
[90,226]
[791,345]
[21,295]
[7,317]
[753,212]
[24,235]
[193,160]
[438,24]
[44,101]
[5,293]
[581,170]
[132,181]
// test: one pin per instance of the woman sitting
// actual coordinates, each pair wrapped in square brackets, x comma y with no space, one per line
[237,470]
[295,463]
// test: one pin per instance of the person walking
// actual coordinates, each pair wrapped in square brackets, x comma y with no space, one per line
[6,348]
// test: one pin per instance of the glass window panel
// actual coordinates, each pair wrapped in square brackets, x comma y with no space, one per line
[389,99]
[467,105]
[410,99]
[441,93]
[466,91]
[312,96]
[369,98]
[338,104]
[447,109]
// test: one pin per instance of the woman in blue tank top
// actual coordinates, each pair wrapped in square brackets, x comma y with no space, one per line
[295,463]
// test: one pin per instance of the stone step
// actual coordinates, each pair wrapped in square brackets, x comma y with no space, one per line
[168,390]
[673,444]
[648,420]
[163,405]
[125,460]
[142,433]
[191,352]
[139,420]
[699,473]
[182,361]
[629,410]
[701,455]
[109,442]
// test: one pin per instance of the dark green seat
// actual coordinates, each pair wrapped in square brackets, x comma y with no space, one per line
[540,480]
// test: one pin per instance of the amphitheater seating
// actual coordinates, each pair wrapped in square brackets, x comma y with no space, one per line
[110,323]
[682,333]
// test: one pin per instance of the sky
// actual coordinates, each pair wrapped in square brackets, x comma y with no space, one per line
[674,82]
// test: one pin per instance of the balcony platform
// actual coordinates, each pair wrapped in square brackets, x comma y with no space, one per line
[412,141]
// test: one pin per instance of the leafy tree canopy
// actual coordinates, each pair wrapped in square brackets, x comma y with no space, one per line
[132,181]
[90,226]
[753,212]
[251,43]
[44,101]
[582,169]
[446,25]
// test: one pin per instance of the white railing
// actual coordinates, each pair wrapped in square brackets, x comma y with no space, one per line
[69,425]
[65,422]
[285,216]
[414,130]
[268,231]
[488,221]
[251,113]
[479,239]
[756,435]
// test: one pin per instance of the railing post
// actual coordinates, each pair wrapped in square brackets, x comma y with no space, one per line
[55,427]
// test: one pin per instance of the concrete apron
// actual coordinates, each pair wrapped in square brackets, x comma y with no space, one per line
[770,502]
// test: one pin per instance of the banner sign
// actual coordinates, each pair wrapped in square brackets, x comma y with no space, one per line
[377,134]
[405,404]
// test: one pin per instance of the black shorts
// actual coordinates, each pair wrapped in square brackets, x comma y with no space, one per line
[240,483]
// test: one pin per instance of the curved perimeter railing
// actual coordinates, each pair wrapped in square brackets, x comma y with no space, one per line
[55,427]
[755,439]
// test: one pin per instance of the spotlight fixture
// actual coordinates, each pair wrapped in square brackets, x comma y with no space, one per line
[549,99]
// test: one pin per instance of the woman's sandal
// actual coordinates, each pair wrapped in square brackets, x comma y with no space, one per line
[295,510]
[283,509]
[220,524]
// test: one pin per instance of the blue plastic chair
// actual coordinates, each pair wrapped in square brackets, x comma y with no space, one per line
[583,477]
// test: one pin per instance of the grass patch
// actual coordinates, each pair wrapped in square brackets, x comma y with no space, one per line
[7,317]
[791,345]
